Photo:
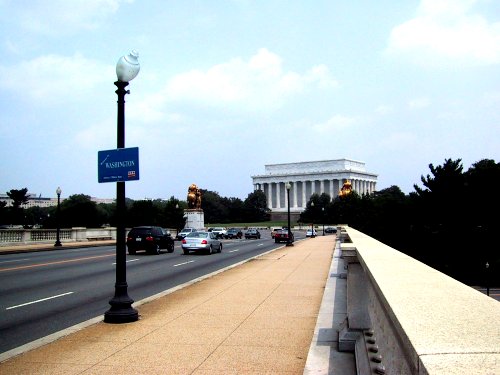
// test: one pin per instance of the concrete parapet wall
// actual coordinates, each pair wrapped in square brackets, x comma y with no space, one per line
[420,320]
[30,236]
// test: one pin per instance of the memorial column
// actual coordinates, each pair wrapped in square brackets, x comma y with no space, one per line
[294,187]
[303,194]
[278,195]
[270,195]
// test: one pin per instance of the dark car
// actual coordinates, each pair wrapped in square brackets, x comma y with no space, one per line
[233,233]
[282,236]
[330,230]
[149,238]
[252,233]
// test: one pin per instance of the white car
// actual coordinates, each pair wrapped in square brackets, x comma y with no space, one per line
[219,232]
[183,233]
[309,233]
[205,242]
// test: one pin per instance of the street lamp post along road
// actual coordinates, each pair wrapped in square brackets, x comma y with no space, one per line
[312,219]
[58,218]
[121,310]
[288,240]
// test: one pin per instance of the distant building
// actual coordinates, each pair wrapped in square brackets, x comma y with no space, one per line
[35,200]
[307,178]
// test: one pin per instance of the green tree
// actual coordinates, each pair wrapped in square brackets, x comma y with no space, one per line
[214,208]
[255,207]
[19,197]
[79,211]
[173,213]
[144,212]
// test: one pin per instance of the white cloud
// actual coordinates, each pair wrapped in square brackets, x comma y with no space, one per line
[56,16]
[336,123]
[384,109]
[419,103]
[447,33]
[257,84]
[53,78]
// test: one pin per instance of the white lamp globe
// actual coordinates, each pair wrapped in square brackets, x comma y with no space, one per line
[128,67]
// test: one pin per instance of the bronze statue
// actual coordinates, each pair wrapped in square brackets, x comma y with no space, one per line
[346,189]
[194,197]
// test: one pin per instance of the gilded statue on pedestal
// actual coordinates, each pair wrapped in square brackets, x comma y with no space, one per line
[194,197]
[346,189]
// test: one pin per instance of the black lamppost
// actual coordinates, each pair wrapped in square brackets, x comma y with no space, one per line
[58,222]
[121,310]
[312,219]
[487,265]
[323,216]
[288,240]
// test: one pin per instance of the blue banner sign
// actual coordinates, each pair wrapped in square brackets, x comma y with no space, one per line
[121,164]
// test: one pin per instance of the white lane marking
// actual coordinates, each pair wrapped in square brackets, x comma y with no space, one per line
[40,300]
[12,261]
[128,261]
[181,264]
[232,251]
[261,244]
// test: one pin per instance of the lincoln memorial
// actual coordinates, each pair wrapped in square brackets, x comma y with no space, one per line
[309,177]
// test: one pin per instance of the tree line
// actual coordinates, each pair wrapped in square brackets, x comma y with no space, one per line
[80,211]
[449,222]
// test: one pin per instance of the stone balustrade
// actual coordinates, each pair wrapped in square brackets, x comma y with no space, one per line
[404,317]
[31,236]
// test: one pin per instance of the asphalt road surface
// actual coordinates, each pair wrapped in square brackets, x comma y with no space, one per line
[45,292]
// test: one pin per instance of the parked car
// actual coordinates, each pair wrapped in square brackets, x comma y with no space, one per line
[273,232]
[204,242]
[219,232]
[282,236]
[233,233]
[330,230]
[183,233]
[149,238]
[310,233]
[252,233]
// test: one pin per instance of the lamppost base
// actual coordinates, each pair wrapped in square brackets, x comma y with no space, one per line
[121,310]
[124,314]
[289,244]
[57,244]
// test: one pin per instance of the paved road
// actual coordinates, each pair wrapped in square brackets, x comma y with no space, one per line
[45,292]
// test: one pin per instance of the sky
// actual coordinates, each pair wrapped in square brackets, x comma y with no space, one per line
[228,86]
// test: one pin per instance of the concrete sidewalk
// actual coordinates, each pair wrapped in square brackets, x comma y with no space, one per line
[256,318]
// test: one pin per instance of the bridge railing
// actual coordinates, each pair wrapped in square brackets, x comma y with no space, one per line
[404,317]
[32,236]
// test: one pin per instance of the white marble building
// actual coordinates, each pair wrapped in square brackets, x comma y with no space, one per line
[307,178]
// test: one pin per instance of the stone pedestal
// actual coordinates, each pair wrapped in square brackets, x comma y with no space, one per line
[195,218]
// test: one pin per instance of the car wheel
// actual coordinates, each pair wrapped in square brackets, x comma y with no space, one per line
[220,248]
[155,250]
[131,252]
[171,247]
[210,250]
[186,252]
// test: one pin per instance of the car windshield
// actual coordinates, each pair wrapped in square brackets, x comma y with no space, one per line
[197,235]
